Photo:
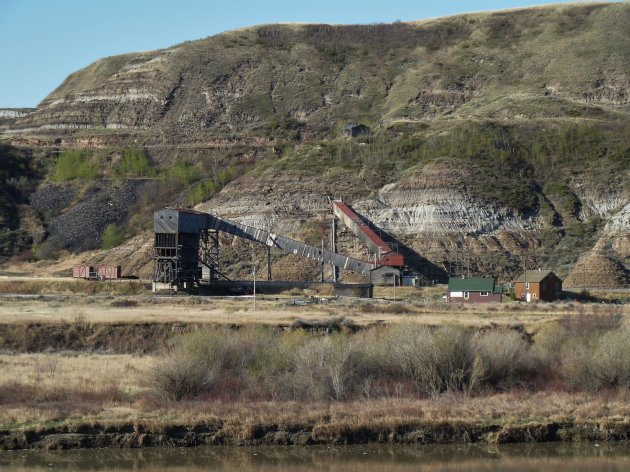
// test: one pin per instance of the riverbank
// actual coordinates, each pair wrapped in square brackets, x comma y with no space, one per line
[496,419]
[84,371]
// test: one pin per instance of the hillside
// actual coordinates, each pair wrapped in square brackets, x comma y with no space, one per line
[499,139]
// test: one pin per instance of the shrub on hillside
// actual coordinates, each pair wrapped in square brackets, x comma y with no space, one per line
[75,164]
[135,163]
[182,173]
[113,236]
[204,191]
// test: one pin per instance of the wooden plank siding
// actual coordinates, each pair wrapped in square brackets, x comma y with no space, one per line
[546,289]
[475,297]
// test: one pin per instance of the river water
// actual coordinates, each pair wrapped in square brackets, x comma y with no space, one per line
[481,457]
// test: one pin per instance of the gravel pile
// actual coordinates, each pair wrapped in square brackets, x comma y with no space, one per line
[50,200]
[81,227]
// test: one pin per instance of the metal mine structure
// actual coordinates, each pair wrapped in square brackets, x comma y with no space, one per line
[388,263]
[186,248]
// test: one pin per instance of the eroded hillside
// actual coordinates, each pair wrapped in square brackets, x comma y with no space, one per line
[501,140]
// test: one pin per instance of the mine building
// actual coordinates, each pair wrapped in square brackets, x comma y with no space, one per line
[186,250]
[538,285]
[473,290]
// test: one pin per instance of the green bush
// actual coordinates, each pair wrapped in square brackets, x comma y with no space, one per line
[226,175]
[182,173]
[135,163]
[203,191]
[75,164]
[113,236]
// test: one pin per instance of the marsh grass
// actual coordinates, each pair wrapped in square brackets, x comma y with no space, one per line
[583,353]
[263,364]
[376,378]
[509,408]
[74,371]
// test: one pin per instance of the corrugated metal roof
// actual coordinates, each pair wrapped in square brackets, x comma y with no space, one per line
[534,276]
[471,284]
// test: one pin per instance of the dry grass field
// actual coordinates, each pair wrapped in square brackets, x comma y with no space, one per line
[56,300]
[76,370]
[280,312]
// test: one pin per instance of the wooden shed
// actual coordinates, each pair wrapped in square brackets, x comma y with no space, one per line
[538,285]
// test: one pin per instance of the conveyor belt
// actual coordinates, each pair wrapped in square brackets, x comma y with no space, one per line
[289,245]
[385,254]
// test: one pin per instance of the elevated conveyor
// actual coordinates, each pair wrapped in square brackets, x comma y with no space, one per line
[288,245]
[385,255]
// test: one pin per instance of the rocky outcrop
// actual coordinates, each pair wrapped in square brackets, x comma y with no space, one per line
[620,222]
[52,199]
[9,115]
[436,200]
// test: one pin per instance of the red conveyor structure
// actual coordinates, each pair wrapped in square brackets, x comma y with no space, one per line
[385,255]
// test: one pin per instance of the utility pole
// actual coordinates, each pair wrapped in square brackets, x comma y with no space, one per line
[395,277]
[254,287]
[526,285]
[322,259]
[333,246]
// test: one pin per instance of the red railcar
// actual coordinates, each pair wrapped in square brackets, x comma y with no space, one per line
[108,272]
[99,272]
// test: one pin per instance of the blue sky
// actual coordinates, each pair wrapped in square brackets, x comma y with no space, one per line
[43,41]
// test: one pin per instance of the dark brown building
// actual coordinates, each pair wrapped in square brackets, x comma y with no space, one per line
[536,285]
[473,290]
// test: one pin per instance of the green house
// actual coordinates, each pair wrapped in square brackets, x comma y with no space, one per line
[473,290]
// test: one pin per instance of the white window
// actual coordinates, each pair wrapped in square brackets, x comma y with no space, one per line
[527,285]
[534,296]
[465,294]
[484,294]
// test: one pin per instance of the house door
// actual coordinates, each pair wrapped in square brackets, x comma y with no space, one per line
[529,297]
